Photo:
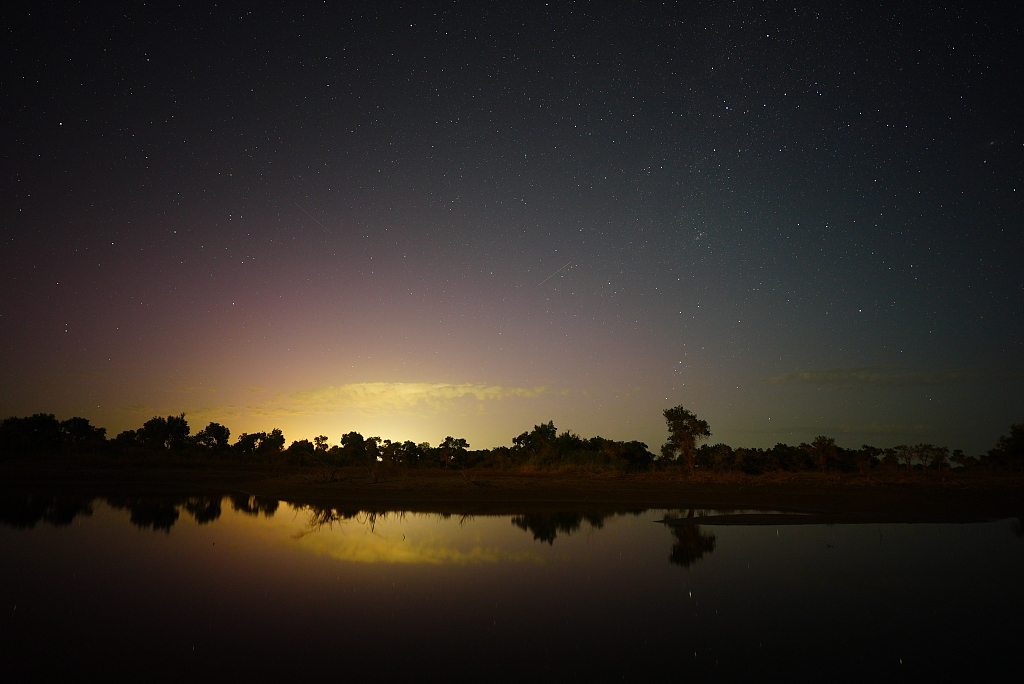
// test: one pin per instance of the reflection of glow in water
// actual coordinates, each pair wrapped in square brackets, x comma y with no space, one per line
[405,539]
[370,548]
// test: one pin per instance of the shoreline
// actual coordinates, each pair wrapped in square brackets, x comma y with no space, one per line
[910,497]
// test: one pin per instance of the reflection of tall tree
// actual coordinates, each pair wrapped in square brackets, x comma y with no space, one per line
[691,545]
[25,510]
[546,526]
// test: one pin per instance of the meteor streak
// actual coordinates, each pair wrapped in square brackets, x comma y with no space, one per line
[555,273]
[314,219]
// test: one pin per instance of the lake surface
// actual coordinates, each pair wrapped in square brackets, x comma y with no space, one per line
[241,587]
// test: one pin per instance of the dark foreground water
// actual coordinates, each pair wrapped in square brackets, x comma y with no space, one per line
[241,588]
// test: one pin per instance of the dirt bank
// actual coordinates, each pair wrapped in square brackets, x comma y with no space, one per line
[903,496]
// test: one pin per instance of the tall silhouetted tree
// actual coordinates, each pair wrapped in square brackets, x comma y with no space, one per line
[685,430]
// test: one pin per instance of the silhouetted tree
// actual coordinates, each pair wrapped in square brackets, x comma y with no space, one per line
[685,430]
[786,457]
[961,459]
[538,440]
[719,457]
[453,451]
[891,458]
[300,450]
[177,431]
[413,453]
[824,450]
[214,436]
[1009,450]
[372,447]
[668,451]
[35,435]
[128,438]
[273,442]
[153,434]
[353,448]
[80,435]
[262,444]
[931,456]
[904,455]
[634,454]
[248,442]
[867,458]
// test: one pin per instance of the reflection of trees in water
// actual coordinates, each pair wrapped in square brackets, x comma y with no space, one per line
[148,513]
[253,505]
[318,517]
[205,509]
[23,511]
[691,543]
[145,512]
[546,526]
[160,513]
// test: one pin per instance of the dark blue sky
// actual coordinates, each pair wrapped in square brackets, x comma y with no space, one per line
[466,218]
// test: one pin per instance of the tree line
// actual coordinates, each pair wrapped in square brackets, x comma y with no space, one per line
[43,435]
[824,455]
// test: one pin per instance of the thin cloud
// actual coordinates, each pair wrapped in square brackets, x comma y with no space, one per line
[381,397]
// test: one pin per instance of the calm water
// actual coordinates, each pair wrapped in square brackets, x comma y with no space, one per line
[258,589]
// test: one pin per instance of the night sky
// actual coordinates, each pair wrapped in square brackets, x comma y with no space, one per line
[463,219]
